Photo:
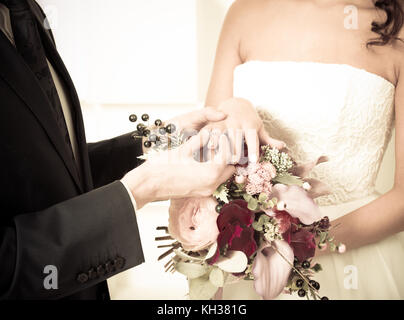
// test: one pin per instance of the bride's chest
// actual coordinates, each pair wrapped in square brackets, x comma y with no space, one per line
[323,99]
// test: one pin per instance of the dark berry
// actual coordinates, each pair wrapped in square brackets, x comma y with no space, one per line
[299,283]
[158,122]
[219,208]
[140,127]
[306,264]
[146,132]
[145,117]
[301,293]
[171,128]
[324,298]
[147,144]
[133,118]
[315,284]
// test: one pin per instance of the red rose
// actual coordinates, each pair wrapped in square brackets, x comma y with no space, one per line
[235,227]
[302,243]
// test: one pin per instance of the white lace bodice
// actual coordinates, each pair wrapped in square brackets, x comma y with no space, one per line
[318,109]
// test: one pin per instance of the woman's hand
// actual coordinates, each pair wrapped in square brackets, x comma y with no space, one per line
[242,124]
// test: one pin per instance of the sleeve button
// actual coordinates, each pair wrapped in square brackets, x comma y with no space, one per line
[109,266]
[101,271]
[82,278]
[92,274]
[119,262]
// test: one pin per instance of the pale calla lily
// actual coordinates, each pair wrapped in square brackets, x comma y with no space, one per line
[318,188]
[271,270]
[303,170]
[298,203]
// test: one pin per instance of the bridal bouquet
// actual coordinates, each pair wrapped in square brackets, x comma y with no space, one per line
[261,225]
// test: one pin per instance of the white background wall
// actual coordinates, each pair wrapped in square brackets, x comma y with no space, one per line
[136,56]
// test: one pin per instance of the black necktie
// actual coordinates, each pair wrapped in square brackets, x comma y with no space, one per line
[29,44]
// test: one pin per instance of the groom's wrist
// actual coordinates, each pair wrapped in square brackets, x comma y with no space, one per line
[139,183]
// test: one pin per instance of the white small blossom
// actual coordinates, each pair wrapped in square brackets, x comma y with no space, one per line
[272,231]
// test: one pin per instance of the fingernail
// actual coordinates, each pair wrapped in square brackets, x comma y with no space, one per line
[234,159]
[211,145]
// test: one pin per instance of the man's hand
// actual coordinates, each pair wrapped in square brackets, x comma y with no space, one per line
[176,174]
[190,123]
[196,120]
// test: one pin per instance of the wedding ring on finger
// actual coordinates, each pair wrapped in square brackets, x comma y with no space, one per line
[214,139]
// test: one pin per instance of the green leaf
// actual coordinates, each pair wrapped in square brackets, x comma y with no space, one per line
[317,267]
[191,270]
[288,179]
[216,276]
[264,218]
[201,288]
[240,187]
[247,197]
[323,237]
[253,204]
[258,226]
[262,197]
[222,193]
[265,206]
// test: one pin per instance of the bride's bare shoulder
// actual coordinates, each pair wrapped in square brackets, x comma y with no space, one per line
[245,12]
[241,8]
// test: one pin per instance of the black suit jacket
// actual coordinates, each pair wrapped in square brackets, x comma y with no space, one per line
[51,213]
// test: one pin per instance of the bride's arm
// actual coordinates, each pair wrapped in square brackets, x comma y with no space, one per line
[227,58]
[384,216]
[242,120]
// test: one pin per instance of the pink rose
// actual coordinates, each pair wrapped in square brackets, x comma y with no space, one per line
[192,222]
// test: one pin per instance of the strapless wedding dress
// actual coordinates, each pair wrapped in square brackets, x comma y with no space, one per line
[347,114]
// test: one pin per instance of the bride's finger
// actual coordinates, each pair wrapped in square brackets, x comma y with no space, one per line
[197,142]
[215,134]
[267,140]
[236,137]
[223,156]
[253,145]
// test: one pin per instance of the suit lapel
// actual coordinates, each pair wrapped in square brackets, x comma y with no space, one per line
[60,67]
[21,79]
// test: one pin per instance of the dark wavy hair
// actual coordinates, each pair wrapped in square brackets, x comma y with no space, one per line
[388,31]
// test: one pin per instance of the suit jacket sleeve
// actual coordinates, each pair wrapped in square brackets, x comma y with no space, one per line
[111,159]
[88,239]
